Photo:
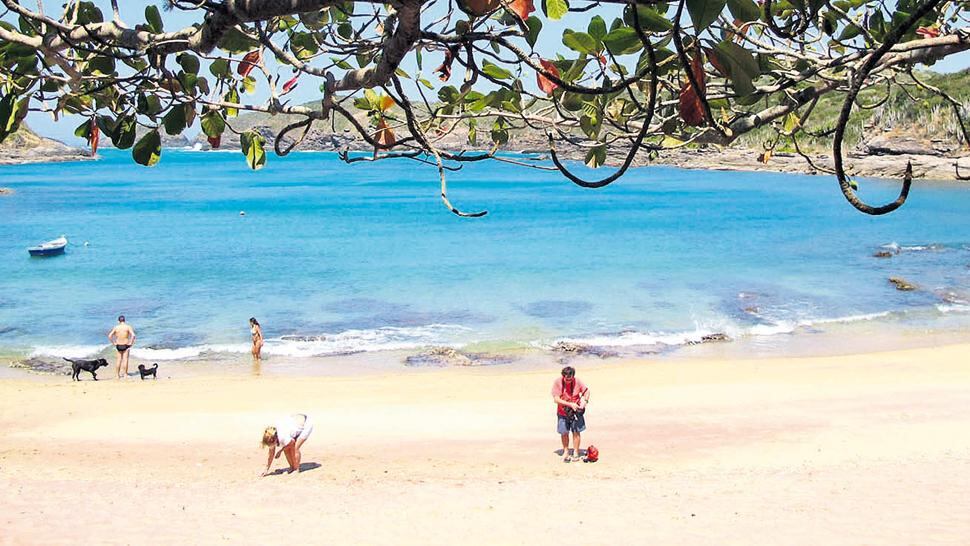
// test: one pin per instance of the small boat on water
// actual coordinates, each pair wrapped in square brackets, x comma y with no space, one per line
[50,248]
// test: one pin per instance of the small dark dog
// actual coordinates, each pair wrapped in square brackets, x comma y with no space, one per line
[88,365]
[144,372]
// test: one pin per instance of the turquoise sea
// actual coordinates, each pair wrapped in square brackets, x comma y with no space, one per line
[336,259]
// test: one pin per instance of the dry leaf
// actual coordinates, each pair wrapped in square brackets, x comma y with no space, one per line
[691,108]
[249,62]
[545,84]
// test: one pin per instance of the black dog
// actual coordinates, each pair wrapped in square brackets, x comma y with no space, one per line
[88,365]
[143,371]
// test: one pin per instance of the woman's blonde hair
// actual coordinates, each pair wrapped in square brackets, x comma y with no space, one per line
[269,437]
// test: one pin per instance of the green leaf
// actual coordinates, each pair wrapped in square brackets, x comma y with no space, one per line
[249,84]
[341,63]
[597,27]
[189,63]
[745,10]
[495,71]
[213,123]
[572,101]
[580,42]
[303,45]
[174,120]
[650,19]
[345,30]
[425,83]
[555,9]
[535,26]
[124,134]
[791,122]
[148,105]
[622,41]
[448,94]
[82,131]
[499,134]
[740,65]
[234,41]
[704,12]
[154,19]
[18,111]
[590,124]
[315,20]
[219,68]
[596,156]
[252,147]
[148,149]
[101,65]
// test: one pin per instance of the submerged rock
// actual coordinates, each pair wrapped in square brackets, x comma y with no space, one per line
[6,191]
[710,338]
[569,347]
[34,364]
[902,284]
[883,254]
[576,349]
[447,356]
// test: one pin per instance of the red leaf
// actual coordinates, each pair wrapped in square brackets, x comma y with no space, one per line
[384,136]
[290,85]
[545,84]
[522,7]
[691,108]
[444,71]
[215,141]
[601,58]
[712,58]
[928,32]
[94,137]
[249,62]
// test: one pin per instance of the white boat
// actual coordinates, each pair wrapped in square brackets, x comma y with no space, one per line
[50,248]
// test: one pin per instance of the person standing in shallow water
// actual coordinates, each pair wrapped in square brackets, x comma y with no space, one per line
[122,336]
[571,396]
[257,332]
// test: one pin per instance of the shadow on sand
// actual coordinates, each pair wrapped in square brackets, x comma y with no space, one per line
[304,467]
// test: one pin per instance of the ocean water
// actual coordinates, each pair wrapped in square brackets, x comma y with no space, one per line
[336,259]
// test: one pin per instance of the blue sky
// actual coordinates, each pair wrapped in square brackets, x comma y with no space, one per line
[132,12]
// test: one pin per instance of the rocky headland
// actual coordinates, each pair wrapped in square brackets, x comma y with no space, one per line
[26,146]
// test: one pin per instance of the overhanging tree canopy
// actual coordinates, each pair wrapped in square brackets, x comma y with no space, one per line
[654,75]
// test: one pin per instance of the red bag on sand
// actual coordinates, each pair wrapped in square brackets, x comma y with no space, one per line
[592,454]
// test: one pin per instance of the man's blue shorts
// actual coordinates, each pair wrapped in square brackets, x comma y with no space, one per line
[577,424]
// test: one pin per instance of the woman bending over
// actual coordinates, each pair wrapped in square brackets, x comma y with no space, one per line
[286,438]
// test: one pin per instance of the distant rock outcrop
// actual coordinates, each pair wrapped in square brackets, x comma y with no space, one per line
[25,146]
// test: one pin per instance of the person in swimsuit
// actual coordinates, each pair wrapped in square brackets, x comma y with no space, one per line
[257,332]
[122,336]
[286,438]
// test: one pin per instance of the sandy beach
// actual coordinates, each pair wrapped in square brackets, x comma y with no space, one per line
[864,449]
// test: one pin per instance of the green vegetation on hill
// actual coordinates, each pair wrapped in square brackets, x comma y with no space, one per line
[928,118]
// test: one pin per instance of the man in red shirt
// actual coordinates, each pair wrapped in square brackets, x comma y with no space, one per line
[571,397]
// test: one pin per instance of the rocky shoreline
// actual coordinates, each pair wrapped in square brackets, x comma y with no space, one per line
[882,157]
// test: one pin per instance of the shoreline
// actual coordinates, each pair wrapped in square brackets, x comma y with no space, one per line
[867,448]
[826,340]
[888,166]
